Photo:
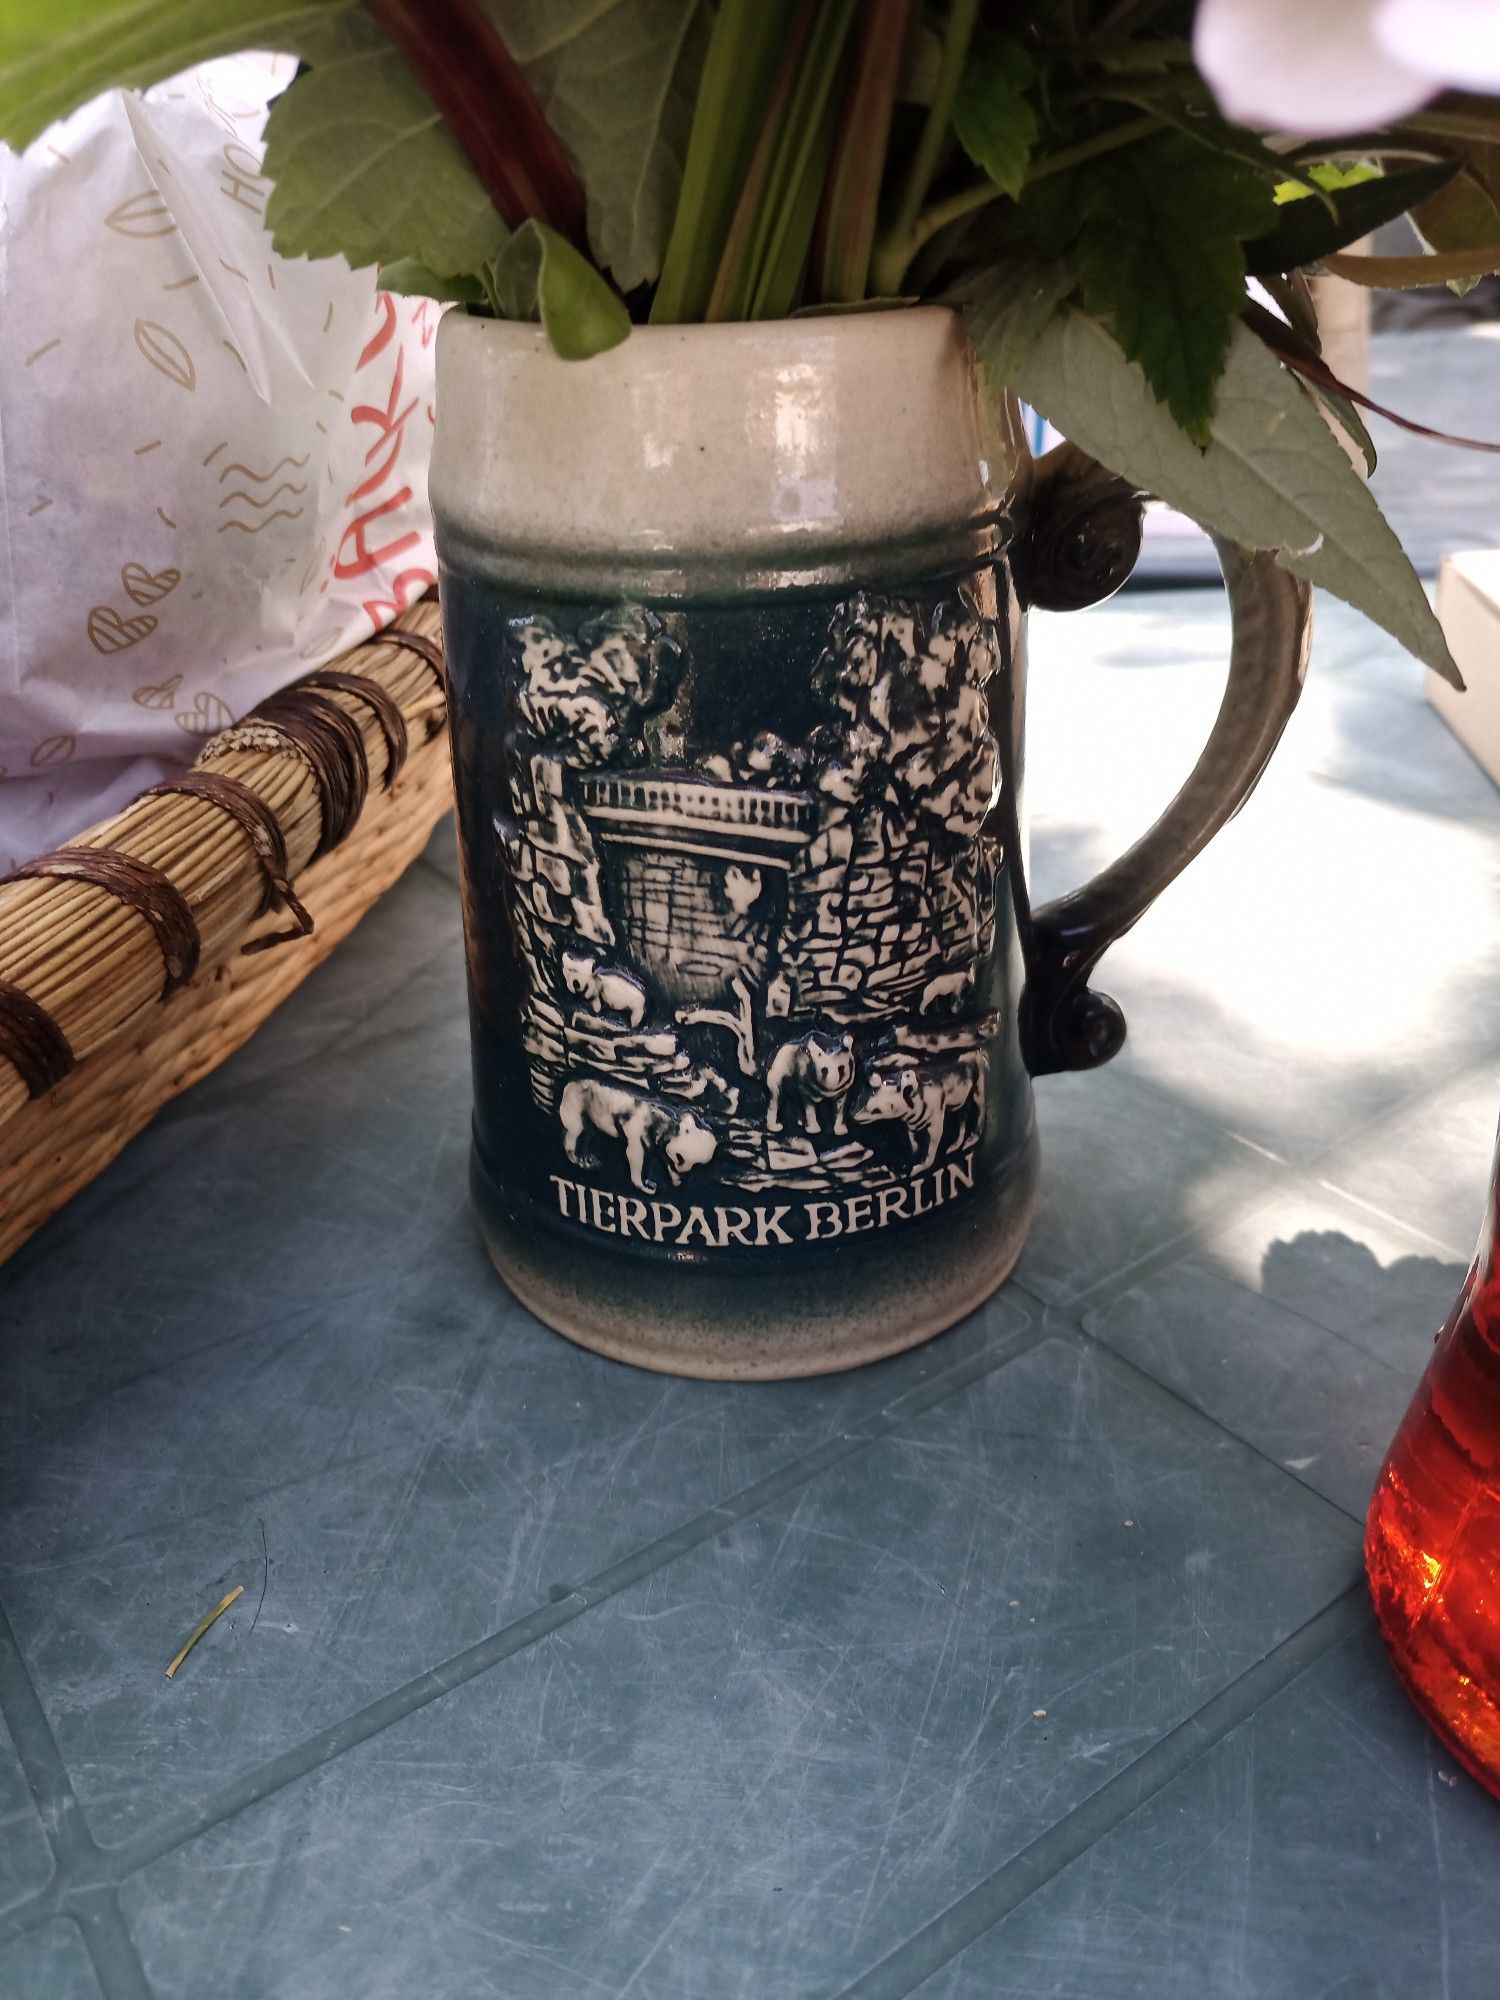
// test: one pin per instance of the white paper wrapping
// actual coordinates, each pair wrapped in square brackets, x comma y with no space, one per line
[213,460]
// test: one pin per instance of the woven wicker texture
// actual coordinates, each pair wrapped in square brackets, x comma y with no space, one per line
[83,964]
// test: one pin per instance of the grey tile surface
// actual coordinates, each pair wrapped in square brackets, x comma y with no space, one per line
[331,1402]
[1429,1168]
[1302,1328]
[778,1753]
[1127,1170]
[49,1963]
[554,1679]
[1326,1847]
[25,1858]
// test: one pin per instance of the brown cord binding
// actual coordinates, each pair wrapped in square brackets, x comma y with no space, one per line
[331,745]
[387,713]
[250,810]
[143,888]
[429,649]
[32,1042]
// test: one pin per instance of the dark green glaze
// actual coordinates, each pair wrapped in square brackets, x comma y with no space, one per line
[754,975]
[743,960]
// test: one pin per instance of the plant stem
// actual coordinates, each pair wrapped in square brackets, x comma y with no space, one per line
[894,251]
[845,236]
[941,213]
[1093,149]
[738,73]
[803,166]
[456,54]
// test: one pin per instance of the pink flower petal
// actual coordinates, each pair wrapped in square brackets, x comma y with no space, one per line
[1313,66]
[1455,42]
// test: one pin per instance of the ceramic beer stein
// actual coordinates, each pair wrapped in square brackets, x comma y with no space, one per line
[735,630]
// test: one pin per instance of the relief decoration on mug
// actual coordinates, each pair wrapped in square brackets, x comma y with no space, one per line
[762,967]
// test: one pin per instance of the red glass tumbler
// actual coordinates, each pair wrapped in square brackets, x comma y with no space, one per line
[1432,1538]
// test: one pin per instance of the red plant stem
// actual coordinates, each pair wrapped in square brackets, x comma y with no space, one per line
[730,297]
[1311,368]
[845,235]
[454,51]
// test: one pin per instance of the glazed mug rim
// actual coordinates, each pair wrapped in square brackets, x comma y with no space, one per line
[698,460]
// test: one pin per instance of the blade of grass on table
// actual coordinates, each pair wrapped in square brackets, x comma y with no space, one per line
[845,232]
[738,74]
[203,1624]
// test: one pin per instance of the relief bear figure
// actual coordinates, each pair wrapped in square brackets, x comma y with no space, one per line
[679,1139]
[604,989]
[817,1069]
[920,1096]
[948,993]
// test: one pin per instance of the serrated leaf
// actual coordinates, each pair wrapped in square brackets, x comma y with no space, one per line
[539,275]
[1340,410]
[1160,262]
[617,80]
[1304,231]
[1196,117]
[1007,306]
[410,278]
[992,114]
[1272,476]
[56,54]
[364,166]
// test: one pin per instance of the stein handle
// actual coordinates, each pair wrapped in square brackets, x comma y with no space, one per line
[1081,541]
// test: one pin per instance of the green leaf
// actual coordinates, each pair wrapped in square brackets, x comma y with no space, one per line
[617,80]
[1327,176]
[56,54]
[409,277]
[1273,476]
[1191,111]
[364,166]
[992,114]
[1160,262]
[1008,306]
[539,275]
[1304,231]
[1341,410]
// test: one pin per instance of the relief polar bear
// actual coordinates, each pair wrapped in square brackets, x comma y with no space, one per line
[920,1098]
[679,1139]
[817,1069]
[604,989]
